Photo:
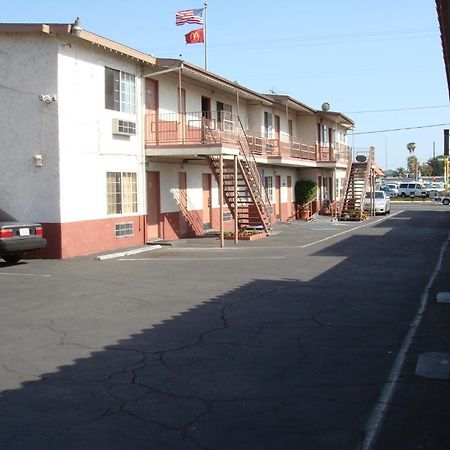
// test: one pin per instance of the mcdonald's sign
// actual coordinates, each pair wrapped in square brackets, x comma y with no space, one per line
[195,37]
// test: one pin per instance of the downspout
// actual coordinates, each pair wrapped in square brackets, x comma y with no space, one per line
[141,113]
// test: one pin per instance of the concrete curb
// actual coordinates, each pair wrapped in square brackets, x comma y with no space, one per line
[128,252]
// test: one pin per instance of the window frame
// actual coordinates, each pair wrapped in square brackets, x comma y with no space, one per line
[268,185]
[121,193]
[120,91]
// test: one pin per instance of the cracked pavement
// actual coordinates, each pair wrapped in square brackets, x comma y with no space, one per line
[160,353]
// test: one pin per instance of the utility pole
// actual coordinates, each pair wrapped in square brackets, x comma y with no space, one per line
[446,152]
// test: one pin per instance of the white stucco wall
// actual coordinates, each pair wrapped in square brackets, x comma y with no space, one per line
[28,68]
[169,184]
[88,148]
[168,97]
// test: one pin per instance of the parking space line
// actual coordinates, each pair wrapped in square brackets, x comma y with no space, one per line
[349,230]
[24,274]
[231,258]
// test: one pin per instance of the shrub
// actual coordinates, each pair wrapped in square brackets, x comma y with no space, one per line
[305,191]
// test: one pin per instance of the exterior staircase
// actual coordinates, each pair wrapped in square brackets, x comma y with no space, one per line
[359,180]
[243,190]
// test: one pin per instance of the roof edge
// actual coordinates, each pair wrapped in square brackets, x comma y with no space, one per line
[66,29]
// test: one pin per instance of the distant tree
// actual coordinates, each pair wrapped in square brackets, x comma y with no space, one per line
[437,166]
[399,172]
[426,170]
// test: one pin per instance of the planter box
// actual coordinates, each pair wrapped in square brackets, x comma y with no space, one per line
[247,237]
[303,215]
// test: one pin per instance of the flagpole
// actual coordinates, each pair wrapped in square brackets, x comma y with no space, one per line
[205,38]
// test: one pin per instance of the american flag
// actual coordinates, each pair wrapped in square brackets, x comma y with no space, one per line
[189,16]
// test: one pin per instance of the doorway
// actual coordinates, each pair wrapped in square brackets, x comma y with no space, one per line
[207,210]
[289,196]
[153,205]
[277,197]
[182,185]
[151,111]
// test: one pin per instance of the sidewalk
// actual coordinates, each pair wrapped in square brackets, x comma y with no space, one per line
[421,404]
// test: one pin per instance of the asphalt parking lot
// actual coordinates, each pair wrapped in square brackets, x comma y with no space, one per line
[284,342]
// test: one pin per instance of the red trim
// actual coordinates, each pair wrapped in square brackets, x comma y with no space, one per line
[71,239]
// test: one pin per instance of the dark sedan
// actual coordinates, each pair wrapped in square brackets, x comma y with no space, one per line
[17,237]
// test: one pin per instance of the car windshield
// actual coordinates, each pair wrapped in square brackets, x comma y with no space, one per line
[378,194]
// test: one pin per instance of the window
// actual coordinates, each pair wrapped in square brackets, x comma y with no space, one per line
[124,229]
[268,125]
[224,116]
[325,135]
[120,91]
[121,191]
[290,128]
[268,184]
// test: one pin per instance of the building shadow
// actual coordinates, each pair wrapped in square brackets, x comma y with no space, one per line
[272,364]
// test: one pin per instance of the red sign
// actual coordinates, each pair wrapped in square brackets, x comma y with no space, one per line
[195,37]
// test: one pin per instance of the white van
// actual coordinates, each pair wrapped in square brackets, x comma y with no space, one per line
[412,189]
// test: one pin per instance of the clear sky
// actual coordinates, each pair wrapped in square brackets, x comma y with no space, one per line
[379,62]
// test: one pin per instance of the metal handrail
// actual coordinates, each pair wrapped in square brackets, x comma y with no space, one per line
[222,126]
[251,163]
[346,183]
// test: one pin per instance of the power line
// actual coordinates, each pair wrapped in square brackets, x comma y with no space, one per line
[400,129]
[396,109]
[315,40]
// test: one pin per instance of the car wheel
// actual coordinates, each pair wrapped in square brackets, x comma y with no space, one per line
[12,259]
[446,201]
[403,195]
[388,211]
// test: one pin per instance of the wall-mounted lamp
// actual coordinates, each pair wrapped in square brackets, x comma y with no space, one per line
[47,98]
[76,27]
[37,160]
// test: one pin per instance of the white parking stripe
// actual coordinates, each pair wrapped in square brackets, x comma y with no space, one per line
[348,231]
[201,259]
[23,274]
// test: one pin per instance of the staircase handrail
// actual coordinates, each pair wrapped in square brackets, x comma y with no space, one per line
[370,160]
[346,183]
[188,214]
[251,163]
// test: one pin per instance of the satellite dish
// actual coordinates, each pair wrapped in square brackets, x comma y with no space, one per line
[361,158]
[325,106]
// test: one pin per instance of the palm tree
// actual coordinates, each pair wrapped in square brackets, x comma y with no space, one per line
[400,172]
[413,166]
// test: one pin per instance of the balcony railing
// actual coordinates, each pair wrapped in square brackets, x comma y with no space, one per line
[197,128]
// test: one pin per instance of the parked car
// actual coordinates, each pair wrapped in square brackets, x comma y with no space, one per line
[382,202]
[434,189]
[391,190]
[393,185]
[18,237]
[443,197]
[412,189]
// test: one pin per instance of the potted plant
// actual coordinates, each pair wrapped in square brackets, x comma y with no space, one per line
[305,191]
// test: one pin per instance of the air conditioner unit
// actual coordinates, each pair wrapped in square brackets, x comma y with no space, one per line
[123,127]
